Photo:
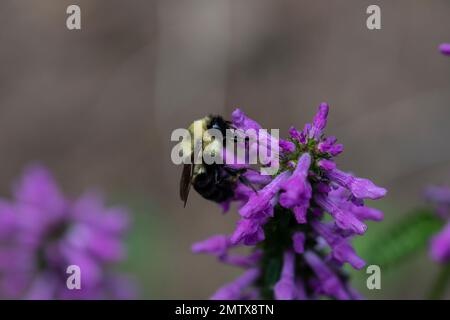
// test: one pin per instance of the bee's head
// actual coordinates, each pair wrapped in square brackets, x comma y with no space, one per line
[196,131]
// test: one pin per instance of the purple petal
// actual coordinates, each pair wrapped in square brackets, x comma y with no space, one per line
[241,121]
[360,188]
[242,261]
[90,269]
[285,288]
[8,220]
[367,213]
[90,209]
[102,245]
[225,205]
[329,282]
[42,288]
[326,145]
[301,292]
[336,149]
[248,232]
[320,121]
[298,242]
[322,187]
[300,213]
[295,134]
[327,165]
[38,187]
[297,190]
[344,219]
[287,146]
[261,201]
[215,245]
[255,177]
[233,290]
[342,251]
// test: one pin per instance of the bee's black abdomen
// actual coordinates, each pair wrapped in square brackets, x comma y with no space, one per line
[212,185]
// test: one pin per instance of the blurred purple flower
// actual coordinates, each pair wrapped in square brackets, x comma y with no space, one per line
[439,197]
[42,232]
[445,48]
[440,243]
[283,221]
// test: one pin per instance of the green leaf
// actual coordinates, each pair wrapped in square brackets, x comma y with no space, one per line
[404,239]
[440,284]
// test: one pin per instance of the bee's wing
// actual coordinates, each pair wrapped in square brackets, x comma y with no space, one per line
[185,182]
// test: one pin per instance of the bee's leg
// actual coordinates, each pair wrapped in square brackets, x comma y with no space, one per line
[246,182]
[218,177]
[239,174]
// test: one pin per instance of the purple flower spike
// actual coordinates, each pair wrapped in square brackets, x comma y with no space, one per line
[285,288]
[361,188]
[298,240]
[294,203]
[444,48]
[216,245]
[234,290]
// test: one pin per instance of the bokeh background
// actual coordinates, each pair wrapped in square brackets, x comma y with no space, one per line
[98,106]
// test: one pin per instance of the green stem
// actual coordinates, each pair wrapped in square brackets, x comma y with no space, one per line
[440,283]
[278,232]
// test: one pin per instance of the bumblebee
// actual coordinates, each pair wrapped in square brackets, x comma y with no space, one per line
[215,181]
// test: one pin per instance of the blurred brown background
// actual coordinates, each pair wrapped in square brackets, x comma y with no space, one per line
[98,105]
